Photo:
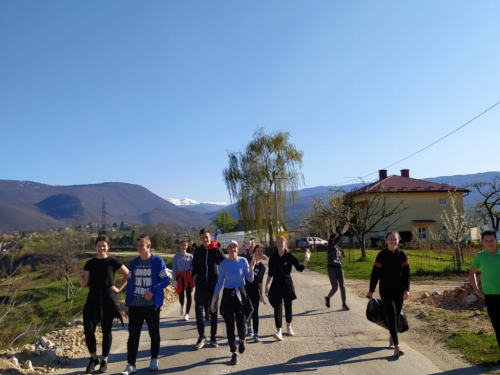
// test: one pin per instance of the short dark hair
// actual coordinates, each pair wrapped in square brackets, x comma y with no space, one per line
[104,238]
[204,231]
[488,233]
[144,238]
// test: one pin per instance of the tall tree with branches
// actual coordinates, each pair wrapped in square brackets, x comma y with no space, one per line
[269,162]
[376,212]
[489,206]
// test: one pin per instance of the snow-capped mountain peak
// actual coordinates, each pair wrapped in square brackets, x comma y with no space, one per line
[192,202]
[183,202]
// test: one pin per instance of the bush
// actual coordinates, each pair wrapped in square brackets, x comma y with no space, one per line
[406,236]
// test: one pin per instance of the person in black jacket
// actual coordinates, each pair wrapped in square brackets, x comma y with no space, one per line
[282,291]
[393,270]
[334,265]
[205,271]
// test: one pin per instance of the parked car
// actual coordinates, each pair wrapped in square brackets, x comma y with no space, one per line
[312,241]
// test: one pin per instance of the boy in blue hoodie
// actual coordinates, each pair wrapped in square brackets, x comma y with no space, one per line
[147,278]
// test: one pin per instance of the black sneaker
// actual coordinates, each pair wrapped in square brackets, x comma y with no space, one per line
[104,367]
[93,362]
[241,346]
[345,307]
[234,359]
[327,302]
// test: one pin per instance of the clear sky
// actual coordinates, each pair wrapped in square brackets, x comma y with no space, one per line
[156,92]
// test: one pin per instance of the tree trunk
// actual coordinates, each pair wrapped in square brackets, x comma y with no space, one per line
[363,246]
[457,256]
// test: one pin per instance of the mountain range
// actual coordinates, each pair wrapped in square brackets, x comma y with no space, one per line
[26,205]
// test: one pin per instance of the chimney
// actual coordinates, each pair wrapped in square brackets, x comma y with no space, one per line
[405,173]
[382,174]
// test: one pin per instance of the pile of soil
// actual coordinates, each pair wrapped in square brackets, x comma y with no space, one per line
[460,298]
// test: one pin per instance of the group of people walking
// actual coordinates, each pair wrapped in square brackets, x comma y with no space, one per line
[239,278]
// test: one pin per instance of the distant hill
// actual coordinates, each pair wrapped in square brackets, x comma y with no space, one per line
[303,203]
[33,205]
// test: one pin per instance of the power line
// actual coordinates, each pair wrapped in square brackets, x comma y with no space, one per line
[426,147]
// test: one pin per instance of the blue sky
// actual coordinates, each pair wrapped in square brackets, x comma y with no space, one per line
[157,92]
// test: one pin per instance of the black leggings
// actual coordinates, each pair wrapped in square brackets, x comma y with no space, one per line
[188,299]
[393,303]
[492,302]
[278,312]
[107,338]
[255,299]
[233,311]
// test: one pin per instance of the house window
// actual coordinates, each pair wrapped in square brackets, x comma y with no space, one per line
[443,202]
[422,234]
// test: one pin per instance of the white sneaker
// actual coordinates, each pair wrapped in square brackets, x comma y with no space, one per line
[130,369]
[290,331]
[186,317]
[182,311]
[153,365]
[278,336]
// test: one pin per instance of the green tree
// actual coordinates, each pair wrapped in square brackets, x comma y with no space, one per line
[224,221]
[269,162]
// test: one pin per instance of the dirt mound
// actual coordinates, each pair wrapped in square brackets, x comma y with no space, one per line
[460,298]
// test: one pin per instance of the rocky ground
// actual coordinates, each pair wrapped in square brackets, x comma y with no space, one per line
[54,349]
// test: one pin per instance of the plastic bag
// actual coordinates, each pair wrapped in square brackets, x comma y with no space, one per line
[375,313]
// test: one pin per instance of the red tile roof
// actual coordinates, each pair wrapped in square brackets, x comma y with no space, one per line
[398,184]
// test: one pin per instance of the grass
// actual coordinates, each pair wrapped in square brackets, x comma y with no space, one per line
[422,263]
[478,348]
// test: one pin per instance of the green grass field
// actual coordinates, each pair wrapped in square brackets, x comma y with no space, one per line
[355,267]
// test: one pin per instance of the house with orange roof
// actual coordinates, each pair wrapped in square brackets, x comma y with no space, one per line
[425,202]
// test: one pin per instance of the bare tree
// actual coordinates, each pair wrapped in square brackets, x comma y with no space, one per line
[378,210]
[63,247]
[325,214]
[457,227]
[490,191]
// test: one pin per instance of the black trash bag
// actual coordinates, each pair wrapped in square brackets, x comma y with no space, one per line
[375,313]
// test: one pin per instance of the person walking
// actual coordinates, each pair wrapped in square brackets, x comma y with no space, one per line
[393,270]
[488,261]
[101,306]
[147,279]
[334,266]
[282,291]
[255,292]
[232,274]
[183,282]
[205,271]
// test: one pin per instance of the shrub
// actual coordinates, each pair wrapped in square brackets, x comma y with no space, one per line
[406,236]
